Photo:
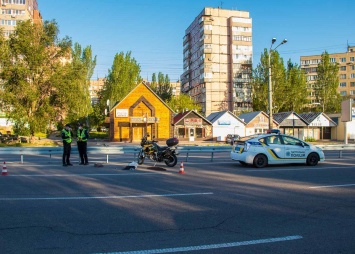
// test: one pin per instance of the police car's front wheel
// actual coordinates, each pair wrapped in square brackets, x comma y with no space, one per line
[260,161]
[312,159]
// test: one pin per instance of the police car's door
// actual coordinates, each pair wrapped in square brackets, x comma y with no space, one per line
[295,150]
[275,149]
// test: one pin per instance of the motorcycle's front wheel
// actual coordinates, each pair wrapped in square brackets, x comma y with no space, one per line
[140,157]
[171,160]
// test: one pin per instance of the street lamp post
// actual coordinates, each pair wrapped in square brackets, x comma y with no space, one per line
[270,80]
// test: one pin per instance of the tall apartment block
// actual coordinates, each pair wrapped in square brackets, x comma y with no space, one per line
[346,63]
[217,60]
[13,11]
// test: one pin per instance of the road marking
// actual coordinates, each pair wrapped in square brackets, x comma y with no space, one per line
[109,197]
[298,168]
[331,186]
[210,246]
[102,174]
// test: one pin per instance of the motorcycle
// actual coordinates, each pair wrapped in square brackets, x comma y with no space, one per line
[151,150]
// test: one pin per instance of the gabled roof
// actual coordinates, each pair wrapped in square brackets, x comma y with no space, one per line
[248,117]
[311,116]
[213,117]
[144,84]
[279,117]
[182,115]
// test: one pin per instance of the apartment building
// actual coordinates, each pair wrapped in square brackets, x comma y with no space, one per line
[217,60]
[13,11]
[346,63]
[94,89]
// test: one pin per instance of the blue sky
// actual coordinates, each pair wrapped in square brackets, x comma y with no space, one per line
[153,30]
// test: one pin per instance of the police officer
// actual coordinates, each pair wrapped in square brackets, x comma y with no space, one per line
[82,136]
[67,139]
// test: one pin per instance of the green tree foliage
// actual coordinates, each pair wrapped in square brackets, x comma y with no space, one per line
[289,86]
[162,87]
[40,83]
[326,85]
[123,76]
[183,102]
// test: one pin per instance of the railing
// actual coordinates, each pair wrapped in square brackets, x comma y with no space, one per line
[109,150]
[339,148]
[134,150]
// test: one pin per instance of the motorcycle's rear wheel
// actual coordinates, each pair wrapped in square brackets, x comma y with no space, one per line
[140,157]
[171,160]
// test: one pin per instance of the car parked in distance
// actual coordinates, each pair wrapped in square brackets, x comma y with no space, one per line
[267,149]
[231,138]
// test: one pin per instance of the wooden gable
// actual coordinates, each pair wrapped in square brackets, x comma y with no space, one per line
[141,110]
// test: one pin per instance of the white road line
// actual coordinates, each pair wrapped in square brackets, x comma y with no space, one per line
[296,169]
[102,174]
[108,197]
[331,186]
[210,246]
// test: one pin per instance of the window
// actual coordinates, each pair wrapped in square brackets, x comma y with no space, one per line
[291,141]
[342,93]
[332,60]
[352,75]
[343,59]
[342,84]
[342,68]
[343,76]
[352,84]
[352,92]
[352,59]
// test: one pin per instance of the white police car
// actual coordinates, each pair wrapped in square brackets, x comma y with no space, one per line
[265,149]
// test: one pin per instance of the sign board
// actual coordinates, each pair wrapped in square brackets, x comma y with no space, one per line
[192,121]
[121,112]
[346,111]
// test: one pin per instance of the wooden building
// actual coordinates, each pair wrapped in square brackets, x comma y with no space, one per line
[190,125]
[141,111]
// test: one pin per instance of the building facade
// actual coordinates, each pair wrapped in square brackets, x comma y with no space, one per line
[217,60]
[94,89]
[13,11]
[346,63]
[141,112]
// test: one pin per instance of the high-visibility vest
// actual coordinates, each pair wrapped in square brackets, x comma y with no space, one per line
[67,134]
[82,135]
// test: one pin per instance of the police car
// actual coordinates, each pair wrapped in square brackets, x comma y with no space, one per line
[266,149]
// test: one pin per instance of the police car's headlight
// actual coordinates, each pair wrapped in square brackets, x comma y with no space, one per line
[246,146]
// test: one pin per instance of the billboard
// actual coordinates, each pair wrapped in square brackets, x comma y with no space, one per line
[346,111]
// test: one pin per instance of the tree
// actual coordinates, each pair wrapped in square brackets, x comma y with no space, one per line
[122,78]
[183,102]
[326,85]
[289,87]
[40,82]
[162,88]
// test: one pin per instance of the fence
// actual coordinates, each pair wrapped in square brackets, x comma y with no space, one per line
[134,150]
[108,150]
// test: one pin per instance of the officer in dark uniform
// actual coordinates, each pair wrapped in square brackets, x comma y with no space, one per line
[67,139]
[82,136]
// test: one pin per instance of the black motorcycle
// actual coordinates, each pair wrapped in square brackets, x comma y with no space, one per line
[151,150]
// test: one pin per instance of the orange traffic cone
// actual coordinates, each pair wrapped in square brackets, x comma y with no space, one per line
[4,169]
[182,170]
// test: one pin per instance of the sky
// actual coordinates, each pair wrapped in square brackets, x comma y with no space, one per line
[153,30]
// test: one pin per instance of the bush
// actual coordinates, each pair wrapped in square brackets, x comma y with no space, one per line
[309,139]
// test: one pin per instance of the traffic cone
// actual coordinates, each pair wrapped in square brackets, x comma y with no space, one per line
[182,170]
[4,169]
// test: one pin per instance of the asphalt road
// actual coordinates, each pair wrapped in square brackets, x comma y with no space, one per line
[215,207]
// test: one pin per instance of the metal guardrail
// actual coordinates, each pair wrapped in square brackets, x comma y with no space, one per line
[108,150]
[119,150]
